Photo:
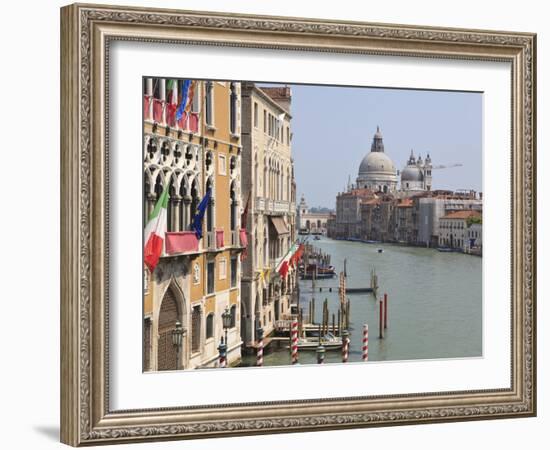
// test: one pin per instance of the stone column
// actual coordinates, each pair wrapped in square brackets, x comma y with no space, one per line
[150,204]
[175,96]
[213,209]
[162,90]
[186,212]
[176,203]
[149,92]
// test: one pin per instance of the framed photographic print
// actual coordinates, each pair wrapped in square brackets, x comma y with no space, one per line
[278,224]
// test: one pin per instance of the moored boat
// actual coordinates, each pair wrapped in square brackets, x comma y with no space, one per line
[329,341]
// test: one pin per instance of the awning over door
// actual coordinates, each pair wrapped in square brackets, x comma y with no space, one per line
[279,225]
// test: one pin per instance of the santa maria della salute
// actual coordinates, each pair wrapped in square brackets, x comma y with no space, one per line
[377,171]
[388,205]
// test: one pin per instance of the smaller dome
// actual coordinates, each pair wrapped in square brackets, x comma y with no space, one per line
[411,173]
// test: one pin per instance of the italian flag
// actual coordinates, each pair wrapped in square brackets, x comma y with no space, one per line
[283,266]
[154,232]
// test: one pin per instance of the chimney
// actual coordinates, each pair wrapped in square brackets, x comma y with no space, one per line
[281,95]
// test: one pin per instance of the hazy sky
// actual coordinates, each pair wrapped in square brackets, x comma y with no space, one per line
[333,129]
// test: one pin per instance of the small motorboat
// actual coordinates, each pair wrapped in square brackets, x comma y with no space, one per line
[319,272]
[316,238]
[329,341]
[380,250]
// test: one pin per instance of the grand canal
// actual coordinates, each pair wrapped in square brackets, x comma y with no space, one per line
[434,303]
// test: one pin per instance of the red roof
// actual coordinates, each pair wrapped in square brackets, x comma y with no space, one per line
[463,214]
[374,201]
[405,203]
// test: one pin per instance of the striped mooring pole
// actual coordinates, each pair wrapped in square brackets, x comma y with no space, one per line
[294,341]
[222,348]
[365,347]
[260,349]
[345,346]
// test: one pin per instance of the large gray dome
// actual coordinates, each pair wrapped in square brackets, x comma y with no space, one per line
[376,162]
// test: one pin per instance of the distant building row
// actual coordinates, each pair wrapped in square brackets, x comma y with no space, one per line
[375,210]
[312,221]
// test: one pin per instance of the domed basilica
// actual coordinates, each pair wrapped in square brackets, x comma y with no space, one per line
[377,171]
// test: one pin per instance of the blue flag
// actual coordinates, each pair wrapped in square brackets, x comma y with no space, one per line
[199,215]
[184,96]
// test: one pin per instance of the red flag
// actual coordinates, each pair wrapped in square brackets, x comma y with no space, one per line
[244,219]
[194,122]
[243,238]
[190,96]
[244,215]
[284,269]
[297,255]
[155,231]
[171,114]
[146,106]
[183,122]
[157,110]
[219,239]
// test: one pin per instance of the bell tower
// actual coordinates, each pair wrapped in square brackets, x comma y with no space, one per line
[428,173]
[303,206]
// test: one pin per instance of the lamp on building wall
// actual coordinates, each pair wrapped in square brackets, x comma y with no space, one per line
[177,339]
[226,322]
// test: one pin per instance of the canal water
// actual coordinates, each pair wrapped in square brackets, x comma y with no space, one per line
[434,303]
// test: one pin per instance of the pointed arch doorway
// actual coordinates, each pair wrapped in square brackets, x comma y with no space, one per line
[169,314]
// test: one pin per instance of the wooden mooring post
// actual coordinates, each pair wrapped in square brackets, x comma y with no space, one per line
[385,310]
[348,308]
[381,319]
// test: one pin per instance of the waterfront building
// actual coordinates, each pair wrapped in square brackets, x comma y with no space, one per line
[412,219]
[348,212]
[432,208]
[474,243]
[369,211]
[311,222]
[377,171]
[417,174]
[331,226]
[268,181]
[196,281]
[376,220]
[404,221]
[453,228]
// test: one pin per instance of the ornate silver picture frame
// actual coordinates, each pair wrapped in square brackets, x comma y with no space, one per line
[87,414]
